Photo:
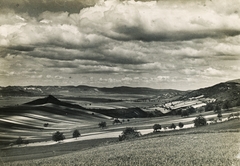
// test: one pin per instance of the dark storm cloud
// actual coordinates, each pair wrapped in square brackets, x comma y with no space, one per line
[136,33]
[22,48]
[35,7]
[115,56]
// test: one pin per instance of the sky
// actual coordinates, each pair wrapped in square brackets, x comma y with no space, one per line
[172,44]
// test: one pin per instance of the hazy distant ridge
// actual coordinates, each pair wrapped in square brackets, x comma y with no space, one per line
[229,90]
[82,89]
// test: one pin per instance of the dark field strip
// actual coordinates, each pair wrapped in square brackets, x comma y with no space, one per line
[27,153]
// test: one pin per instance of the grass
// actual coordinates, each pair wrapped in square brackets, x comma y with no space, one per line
[198,149]
[211,145]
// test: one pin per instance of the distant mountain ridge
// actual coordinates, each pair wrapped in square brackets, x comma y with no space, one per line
[229,90]
[81,89]
[221,92]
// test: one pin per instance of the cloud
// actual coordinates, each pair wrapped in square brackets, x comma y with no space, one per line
[123,21]
[34,8]
[212,72]
[153,21]
[150,42]
[22,48]
[209,72]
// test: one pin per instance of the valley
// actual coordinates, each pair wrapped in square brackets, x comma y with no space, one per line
[35,118]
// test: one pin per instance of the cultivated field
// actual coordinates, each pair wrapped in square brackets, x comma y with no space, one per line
[212,145]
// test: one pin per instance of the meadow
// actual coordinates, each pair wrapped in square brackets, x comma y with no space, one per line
[213,145]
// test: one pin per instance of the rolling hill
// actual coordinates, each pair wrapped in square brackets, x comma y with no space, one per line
[29,118]
[114,113]
[221,92]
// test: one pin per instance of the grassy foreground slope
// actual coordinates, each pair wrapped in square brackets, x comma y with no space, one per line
[196,147]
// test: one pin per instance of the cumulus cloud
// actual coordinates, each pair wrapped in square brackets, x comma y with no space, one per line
[212,72]
[125,20]
[153,41]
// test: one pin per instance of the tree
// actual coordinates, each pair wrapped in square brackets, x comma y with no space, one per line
[180,125]
[226,105]
[58,136]
[116,121]
[209,107]
[19,141]
[185,113]
[191,110]
[200,109]
[45,124]
[102,124]
[217,108]
[219,115]
[238,102]
[172,126]
[199,121]
[76,133]
[156,127]
[129,133]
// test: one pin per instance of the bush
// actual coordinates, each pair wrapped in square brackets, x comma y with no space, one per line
[219,115]
[172,126]
[191,110]
[76,133]
[116,121]
[200,121]
[129,133]
[180,125]
[226,105]
[58,136]
[45,124]
[237,114]
[19,141]
[230,116]
[238,103]
[209,107]
[200,109]
[233,116]
[185,113]
[157,127]
[102,124]
[217,108]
